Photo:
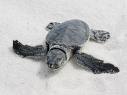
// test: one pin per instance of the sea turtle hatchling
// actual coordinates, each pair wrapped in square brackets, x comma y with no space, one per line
[64,41]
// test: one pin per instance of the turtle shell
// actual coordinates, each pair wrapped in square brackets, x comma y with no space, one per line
[69,33]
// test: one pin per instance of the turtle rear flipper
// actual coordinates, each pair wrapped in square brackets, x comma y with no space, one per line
[51,25]
[26,50]
[97,66]
[99,36]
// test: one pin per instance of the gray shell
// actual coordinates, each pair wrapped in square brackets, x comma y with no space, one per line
[70,33]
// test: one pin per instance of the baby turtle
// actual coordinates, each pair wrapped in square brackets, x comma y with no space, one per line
[64,41]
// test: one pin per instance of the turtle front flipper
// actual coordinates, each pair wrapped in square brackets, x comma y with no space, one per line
[99,36]
[26,50]
[95,65]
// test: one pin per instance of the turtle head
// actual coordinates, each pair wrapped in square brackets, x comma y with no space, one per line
[56,58]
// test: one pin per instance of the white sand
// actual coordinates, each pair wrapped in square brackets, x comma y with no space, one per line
[25,20]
